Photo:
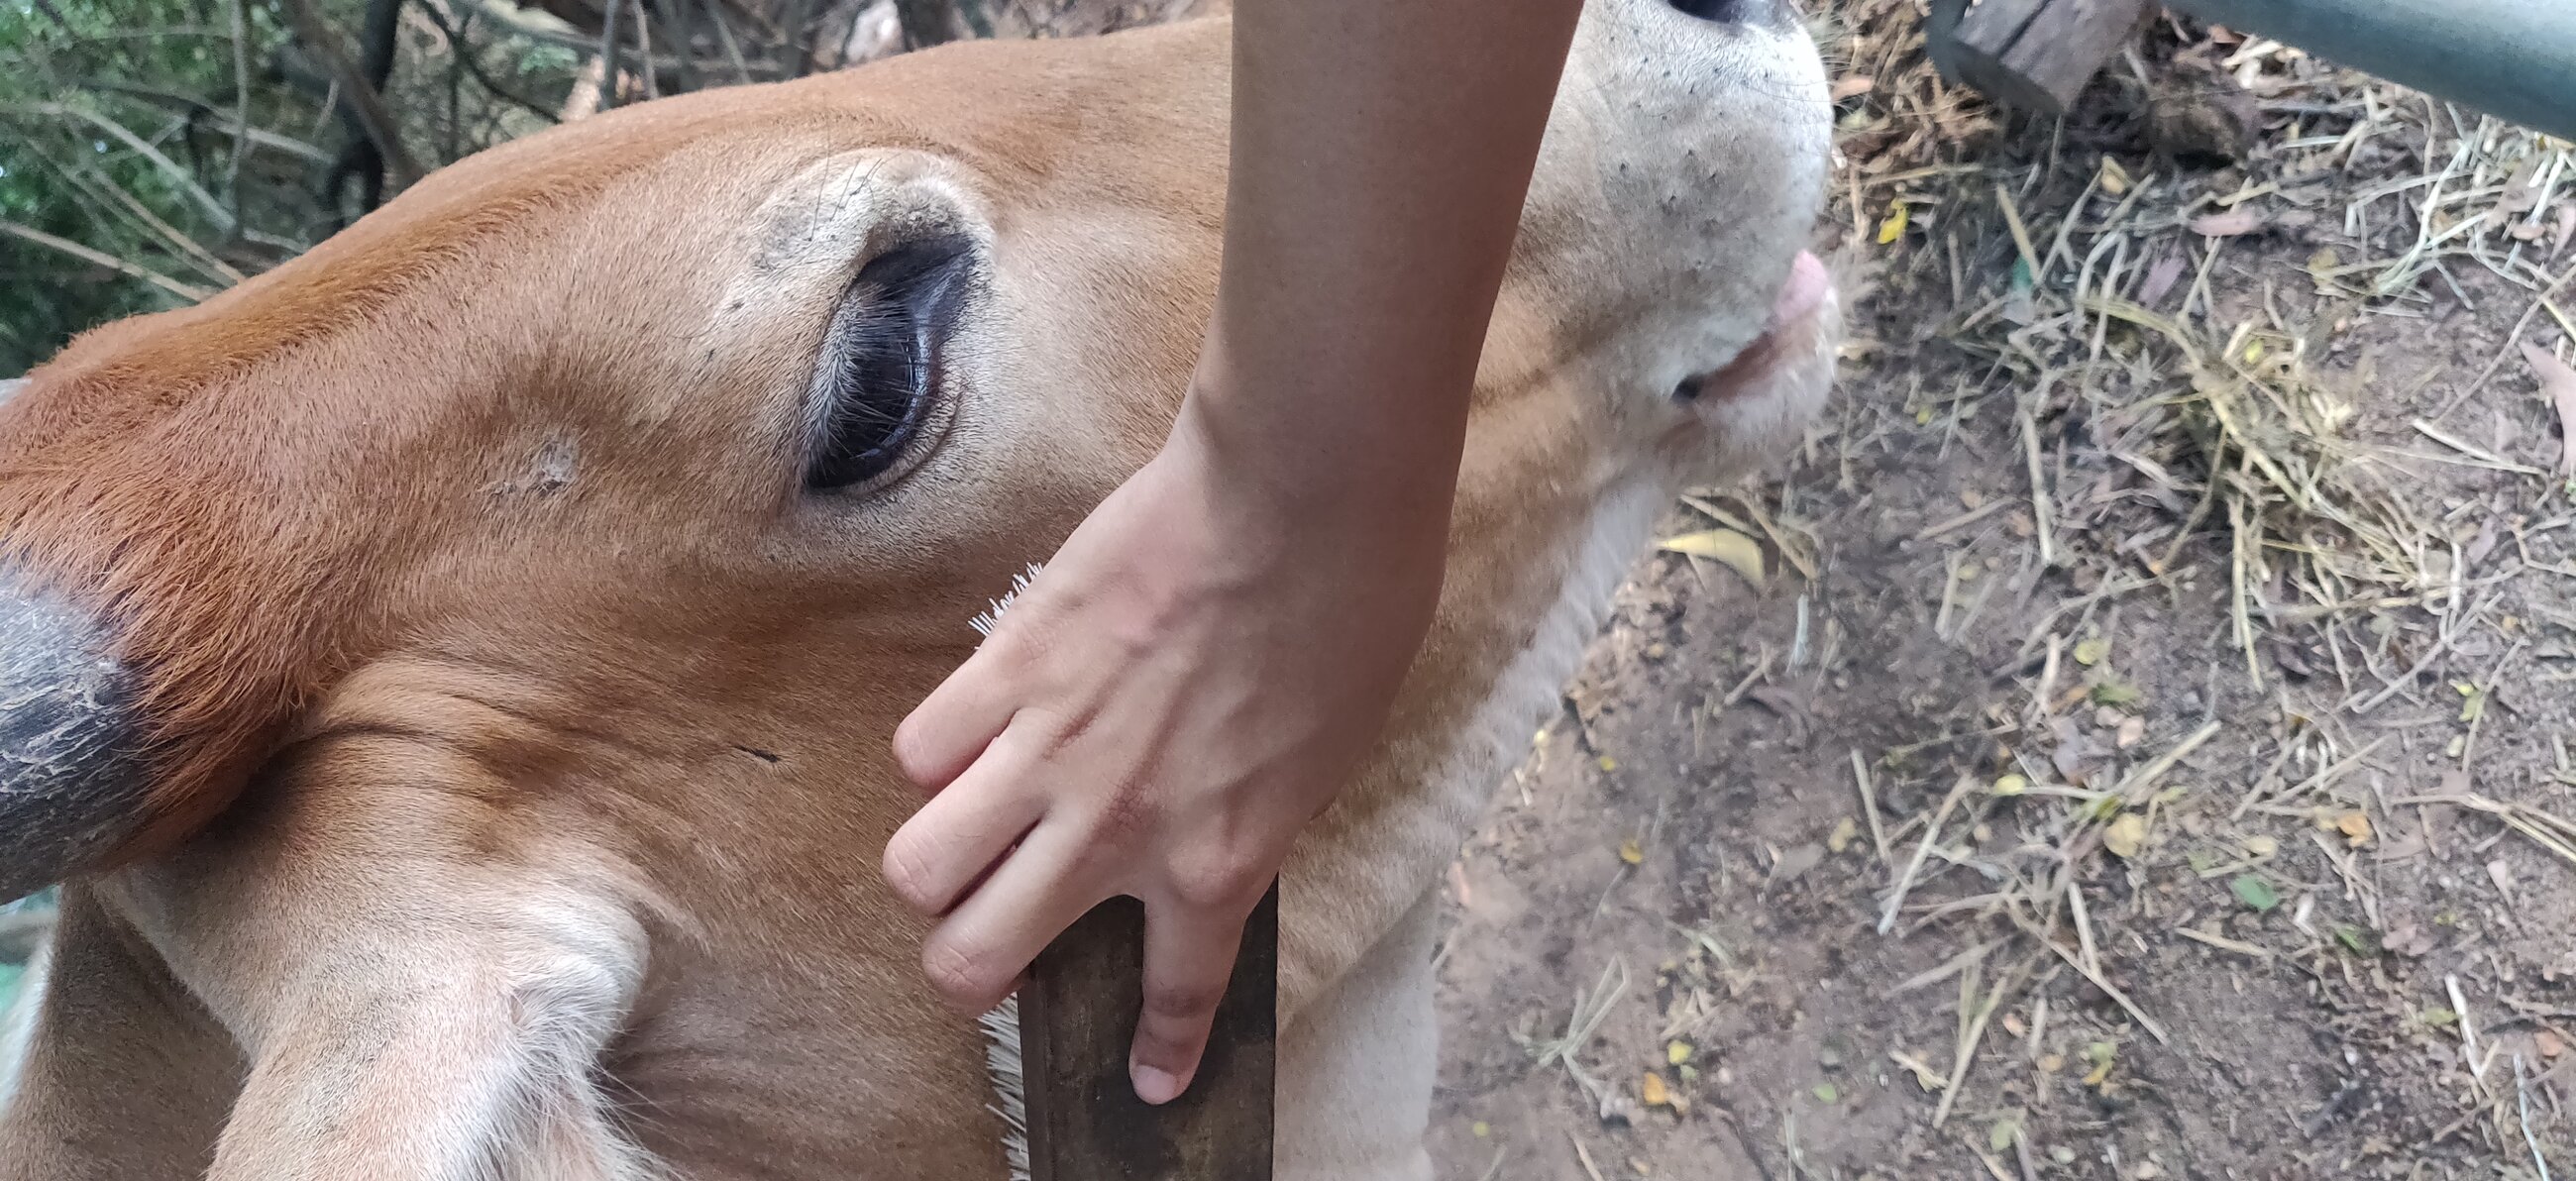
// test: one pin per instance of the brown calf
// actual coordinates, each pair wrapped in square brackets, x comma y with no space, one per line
[454,671]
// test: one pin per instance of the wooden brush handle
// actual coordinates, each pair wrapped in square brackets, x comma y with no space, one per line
[1077,1017]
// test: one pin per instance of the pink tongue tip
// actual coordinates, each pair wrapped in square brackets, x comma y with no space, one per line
[1804,292]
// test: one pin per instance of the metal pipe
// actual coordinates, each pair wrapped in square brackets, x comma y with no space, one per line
[2512,58]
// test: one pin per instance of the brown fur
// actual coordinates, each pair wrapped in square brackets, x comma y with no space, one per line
[521,724]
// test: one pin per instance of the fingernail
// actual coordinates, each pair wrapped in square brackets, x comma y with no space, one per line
[1155,1085]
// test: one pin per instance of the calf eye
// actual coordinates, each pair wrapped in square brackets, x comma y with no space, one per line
[879,375]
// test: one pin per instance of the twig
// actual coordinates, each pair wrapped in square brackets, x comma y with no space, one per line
[474,69]
[644,51]
[2223,943]
[2506,350]
[2146,776]
[1975,1033]
[1869,807]
[110,261]
[240,11]
[2039,505]
[362,100]
[2440,645]
[183,178]
[2522,1100]
[2313,782]
[1931,833]
[609,48]
[2468,1028]
[1581,1154]
[2098,980]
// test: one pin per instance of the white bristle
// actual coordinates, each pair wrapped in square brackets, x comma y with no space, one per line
[1002,1025]
[985,622]
[1002,1061]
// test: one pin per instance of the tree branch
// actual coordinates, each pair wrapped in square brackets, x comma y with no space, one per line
[259,137]
[474,67]
[241,103]
[110,261]
[362,100]
[187,181]
[926,22]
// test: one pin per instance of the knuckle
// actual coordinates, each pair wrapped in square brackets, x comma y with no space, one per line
[1182,1001]
[1128,813]
[1228,883]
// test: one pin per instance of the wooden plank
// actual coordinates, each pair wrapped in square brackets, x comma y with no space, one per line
[2033,54]
[1077,1018]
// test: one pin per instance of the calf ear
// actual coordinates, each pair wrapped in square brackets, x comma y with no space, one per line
[72,788]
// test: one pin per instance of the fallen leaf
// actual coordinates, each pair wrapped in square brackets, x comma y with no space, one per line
[2439,1017]
[2011,785]
[1678,1052]
[2231,224]
[1828,1093]
[2551,1045]
[2087,652]
[1894,227]
[2115,179]
[2355,827]
[2126,836]
[2520,194]
[1845,831]
[2473,700]
[2254,892]
[2103,1055]
[2131,731]
[1630,853]
[1924,1076]
[2261,847]
[1794,864]
[1740,553]
[2407,939]
[2116,693]
[1653,1092]
[1481,1129]
[1607,763]
[2558,381]
[2006,1129]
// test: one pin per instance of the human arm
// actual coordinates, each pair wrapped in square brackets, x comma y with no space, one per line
[1208,658]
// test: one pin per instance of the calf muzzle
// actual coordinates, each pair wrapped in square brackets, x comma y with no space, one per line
[72,786]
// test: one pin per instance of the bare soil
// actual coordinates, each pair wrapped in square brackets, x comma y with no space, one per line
[2317,974]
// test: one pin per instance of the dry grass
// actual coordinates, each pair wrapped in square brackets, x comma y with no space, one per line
[2179,436]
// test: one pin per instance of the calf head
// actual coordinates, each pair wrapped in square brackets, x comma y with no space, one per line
[720,413]
[637,477]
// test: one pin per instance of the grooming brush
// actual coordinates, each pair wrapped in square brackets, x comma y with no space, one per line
[1058,1052]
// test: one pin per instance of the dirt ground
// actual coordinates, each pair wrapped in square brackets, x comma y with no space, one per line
[2173,911]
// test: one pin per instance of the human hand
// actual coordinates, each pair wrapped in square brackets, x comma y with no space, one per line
[1191,678]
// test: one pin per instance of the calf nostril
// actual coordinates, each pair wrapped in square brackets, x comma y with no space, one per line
[1730,11]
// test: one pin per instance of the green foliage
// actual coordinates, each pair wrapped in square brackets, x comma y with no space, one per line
[122,129]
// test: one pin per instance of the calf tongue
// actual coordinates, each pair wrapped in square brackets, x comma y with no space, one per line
[1805,291]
